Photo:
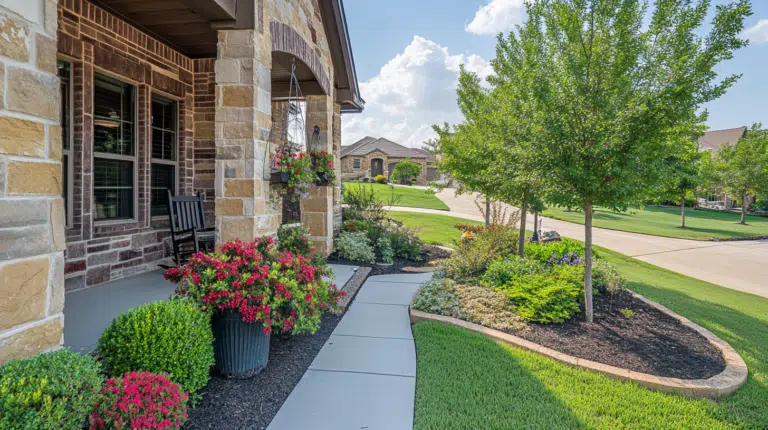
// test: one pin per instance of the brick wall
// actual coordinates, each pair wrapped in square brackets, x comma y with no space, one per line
[95,41]
[31,208]
[204,124]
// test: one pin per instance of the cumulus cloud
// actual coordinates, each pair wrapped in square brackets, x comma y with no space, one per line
[758,33]
[415,89]
[497,16]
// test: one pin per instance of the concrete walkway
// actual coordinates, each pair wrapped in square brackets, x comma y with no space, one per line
[365,375]
[739,265]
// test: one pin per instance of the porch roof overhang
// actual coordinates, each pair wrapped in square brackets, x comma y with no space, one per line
[347,88]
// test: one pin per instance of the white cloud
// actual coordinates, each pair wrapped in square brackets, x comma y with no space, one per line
[413,91]
[497,16]
[757,33]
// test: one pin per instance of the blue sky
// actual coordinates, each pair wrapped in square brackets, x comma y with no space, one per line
[407,55]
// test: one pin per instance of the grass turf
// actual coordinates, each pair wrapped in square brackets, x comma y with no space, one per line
[407,196]
[466,381]
[665,221]
[432,229]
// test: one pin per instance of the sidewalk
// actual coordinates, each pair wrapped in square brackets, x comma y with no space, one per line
[365,375]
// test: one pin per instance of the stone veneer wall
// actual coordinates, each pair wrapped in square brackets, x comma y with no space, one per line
[95,41]
[349,171]
[31,207]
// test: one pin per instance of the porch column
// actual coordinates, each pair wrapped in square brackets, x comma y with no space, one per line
[317,212]
[243,123]
[337,212]
[31,207]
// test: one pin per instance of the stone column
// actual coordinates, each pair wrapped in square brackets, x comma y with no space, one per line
[337,212]
[242,130]
[31,207]
[317,210]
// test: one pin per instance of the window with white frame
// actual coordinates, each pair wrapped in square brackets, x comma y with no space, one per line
[65,79]
[164,153]
[114,149]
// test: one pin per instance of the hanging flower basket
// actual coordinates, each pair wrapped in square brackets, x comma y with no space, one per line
[295,173]
[322,164]
[279,177]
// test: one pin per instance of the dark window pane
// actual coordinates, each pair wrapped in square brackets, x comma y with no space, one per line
[169,145]
[357,164]
[64,77]
[113,188]
[158,111]
[163,128]
[113,116]
[157,143]
[163,179]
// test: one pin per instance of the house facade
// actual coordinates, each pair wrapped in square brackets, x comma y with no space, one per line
[107,105]
[369,157]
[712,141]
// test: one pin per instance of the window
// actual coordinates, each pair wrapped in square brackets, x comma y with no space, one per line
[164,144]
[65,78]
[356,163]
[295,127]
[114,149]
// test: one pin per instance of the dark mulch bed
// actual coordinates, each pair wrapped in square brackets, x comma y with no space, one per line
[429,253]
[252,403]
[648,342]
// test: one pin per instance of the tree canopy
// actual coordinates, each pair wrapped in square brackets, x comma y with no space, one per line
[406,170]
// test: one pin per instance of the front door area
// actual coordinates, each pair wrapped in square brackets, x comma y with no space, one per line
[377,167]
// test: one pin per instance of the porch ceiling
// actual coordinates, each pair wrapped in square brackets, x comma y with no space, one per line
[183,24]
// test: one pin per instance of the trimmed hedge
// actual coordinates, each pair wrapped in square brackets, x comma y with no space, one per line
[55,390]
[172,337]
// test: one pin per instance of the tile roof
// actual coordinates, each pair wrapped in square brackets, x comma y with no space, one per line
[367,145]
[713,140]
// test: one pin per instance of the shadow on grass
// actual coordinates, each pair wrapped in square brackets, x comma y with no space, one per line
[466,381]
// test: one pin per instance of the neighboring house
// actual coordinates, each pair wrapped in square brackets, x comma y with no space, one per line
[369,157]
[105,105]
[712,141]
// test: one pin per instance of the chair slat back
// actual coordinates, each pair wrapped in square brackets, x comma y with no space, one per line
[186,212]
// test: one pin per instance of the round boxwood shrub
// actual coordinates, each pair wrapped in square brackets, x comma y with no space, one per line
[381,179]
[54,390]
[172,337]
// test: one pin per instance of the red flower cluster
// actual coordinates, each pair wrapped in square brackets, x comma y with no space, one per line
[282,290]
[322,162]
[140,400]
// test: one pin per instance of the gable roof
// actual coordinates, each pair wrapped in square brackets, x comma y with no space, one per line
[713,140]
[369,144]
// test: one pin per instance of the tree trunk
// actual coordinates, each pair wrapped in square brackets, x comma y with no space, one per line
[588,261]
[521,239]
[536,223]
[682,211]
[487,211]
[744,208]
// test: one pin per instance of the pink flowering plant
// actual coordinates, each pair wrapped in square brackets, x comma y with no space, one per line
[299,167]
[281,289]
[322,162]
[140,400]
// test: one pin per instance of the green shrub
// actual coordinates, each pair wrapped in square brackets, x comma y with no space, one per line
[55,390]
[547,297]
[405,244]
[355,246]
[438,296]
[554,250]
[380,179]
[505,270]
[385,249]
[471,258]
[606,279]
[363,204]
[172,337]
[489,308]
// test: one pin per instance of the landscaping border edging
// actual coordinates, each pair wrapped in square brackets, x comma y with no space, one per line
[723,384]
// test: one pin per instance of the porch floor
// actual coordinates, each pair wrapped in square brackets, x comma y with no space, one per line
[88,312]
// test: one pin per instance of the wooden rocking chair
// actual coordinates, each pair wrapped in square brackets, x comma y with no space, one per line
[189,232]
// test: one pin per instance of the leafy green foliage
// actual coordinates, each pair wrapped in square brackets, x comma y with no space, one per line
[385,249]
[505,270]
[54,390]
[471,258]
[380,179]
[607,278]
[364,204]
[172,337]
[355,246]
[543,253]
[404,243]
[438,296]
[406,170]
[548,297]
[629,313]
[296,240]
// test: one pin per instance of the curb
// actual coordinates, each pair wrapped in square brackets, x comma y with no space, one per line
[723,384]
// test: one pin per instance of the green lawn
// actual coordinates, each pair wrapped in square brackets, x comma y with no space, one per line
[665,221]
[407,196]
[433,229]
[466,381]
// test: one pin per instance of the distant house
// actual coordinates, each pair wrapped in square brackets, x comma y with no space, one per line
[712,141]
[369,157]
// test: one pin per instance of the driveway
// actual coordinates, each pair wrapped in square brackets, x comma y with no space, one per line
[740,265]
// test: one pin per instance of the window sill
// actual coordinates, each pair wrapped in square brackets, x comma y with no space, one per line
[114,222]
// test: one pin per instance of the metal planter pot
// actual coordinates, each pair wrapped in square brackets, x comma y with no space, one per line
[241,349]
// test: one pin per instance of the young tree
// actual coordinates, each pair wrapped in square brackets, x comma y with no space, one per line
[611,88]
[682,174]
[742,168]
[406,170]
